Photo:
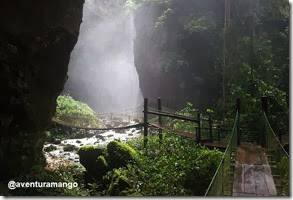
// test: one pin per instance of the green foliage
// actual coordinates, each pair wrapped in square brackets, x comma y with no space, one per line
[119,182]
[101,167]
[202,24]
[66,105]
[182,125]
[284,172]
[76,112]
[177,167]
[284,168]
[163,17]
[66,173]
[132,5]
[210,110]
[253,74]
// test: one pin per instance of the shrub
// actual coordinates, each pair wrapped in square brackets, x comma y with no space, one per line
[119,183]
[176,167]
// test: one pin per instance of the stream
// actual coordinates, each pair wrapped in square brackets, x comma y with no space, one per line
[66,150]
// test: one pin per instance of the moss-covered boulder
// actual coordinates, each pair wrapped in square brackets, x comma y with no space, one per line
[89,157]
[120,154]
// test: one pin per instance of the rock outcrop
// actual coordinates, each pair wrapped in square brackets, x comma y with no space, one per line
[36,39]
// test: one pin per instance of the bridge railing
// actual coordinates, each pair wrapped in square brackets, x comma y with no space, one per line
[278,158]
[222,182]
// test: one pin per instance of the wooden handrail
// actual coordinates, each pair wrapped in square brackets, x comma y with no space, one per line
[176,116]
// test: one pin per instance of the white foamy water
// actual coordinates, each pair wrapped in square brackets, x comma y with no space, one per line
[101,140]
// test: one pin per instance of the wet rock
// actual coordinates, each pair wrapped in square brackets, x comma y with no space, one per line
[57,141]
[111,135]
[100,137]
[130,134]
[78,141]
[50,148]
[120,131]
[133,130]
[136,120]
[69,147]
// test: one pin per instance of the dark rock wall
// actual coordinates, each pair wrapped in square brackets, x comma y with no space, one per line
[36,39]
[173,63]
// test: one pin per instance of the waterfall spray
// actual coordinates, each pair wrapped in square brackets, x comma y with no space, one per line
[101,69]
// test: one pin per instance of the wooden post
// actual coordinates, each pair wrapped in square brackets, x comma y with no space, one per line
[160,120]
[211,128]
[145,122]
[238,120]
[264,106]
[198,138]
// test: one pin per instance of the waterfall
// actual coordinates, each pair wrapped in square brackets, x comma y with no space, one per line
[101,69]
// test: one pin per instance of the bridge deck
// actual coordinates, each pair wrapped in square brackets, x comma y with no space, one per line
[252,175]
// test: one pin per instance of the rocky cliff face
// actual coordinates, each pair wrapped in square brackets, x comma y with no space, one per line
[36,39]
[173,62]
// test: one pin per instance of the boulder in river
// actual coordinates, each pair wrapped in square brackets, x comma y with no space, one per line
[136,120]
[57,141]
[69,147]
[120,131]
[50,148]
[100,137]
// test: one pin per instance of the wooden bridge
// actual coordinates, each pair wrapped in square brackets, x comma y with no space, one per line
[254,164]
[252,168]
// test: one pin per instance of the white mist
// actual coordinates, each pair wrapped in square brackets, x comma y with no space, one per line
[101,69]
